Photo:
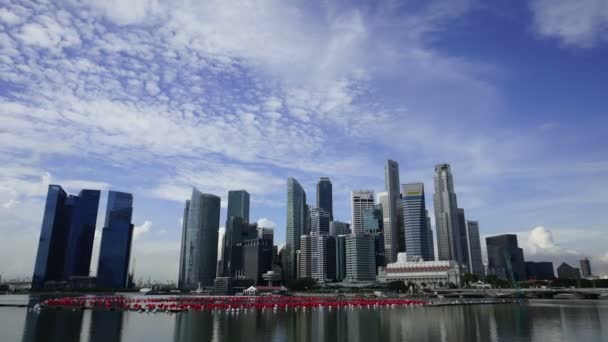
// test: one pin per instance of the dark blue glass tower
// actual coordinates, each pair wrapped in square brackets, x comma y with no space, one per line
[53,235]
[115,250]
[81,233]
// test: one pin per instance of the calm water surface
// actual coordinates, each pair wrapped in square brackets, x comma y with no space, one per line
[582,321]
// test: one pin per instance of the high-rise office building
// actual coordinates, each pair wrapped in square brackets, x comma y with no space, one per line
[474,249]
[360,258]
[341,257]
[182,254]
[339,228]
[200,243]
[257,258]
[322,268]
[585,268]
[565,271]
[325,196]
[266,233]
[237,223]
[66,237]
[415,222]
[542,270]
[81,234]
[116,238]
[238,204]
[429,235]
[464,239]
[391,227]
[446,215]
[305,257]
[505,258]
[373,224]
[360,200]
[319,221]
[53,238]
[296,222]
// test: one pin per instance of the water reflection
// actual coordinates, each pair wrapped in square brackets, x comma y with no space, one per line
[106,326]
[52,325]
[533,322]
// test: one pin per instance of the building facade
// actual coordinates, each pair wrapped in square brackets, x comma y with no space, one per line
[415,221]
[66,237]
[474,249]
[391,226]
[505,258]
[200,244]
[296,222]
[429,234]
[446,215]
[116,238]
[464,239]
[339,228]
[360,258]
[539,270]
[305,257]
[429,274]
[565,271]
[325,196]
[360,200]
[341,257]
[585,268]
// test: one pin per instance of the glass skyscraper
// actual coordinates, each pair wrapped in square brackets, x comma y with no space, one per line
[446,215]
[82,233]
[296,222]
[237,221]
[391,219]
[360,200]
[474,245]
[66,236]
[415,221]
[325,196]
[53,235]
[464,239]
[199,244]
[505,258]
[116,238]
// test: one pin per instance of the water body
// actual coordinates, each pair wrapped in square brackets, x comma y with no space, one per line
[550,320]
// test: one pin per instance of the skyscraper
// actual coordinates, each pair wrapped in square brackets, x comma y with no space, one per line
[429,235]
[341,257]
[415,221]
[464,239]
[322,245]
[338,228]
[391,229]
[66,237]
[585,268]
[360,258]
[505,258]
[296,221]
[360,200]
[81,234]
[115,249]
[325,196]
[53,235]
[199,247]
[446,215]
[474,251]
[182,254]
[373,224]
[238,204]
[237,224]
[305,259]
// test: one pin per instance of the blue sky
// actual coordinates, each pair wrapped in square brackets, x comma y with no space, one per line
[154,97]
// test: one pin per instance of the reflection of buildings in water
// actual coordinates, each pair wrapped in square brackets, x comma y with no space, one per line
[513,322]
[193,326]
[580,323]
[50,325]
[106,326]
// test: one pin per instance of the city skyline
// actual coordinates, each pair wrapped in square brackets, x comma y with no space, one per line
[156,98]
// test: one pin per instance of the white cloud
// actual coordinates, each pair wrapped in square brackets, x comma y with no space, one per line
[540,242]
[142,229]
[604,258]
[266,223]
[580,23]
[9,17]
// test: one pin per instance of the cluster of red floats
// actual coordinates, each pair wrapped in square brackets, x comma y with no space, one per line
[176,304]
